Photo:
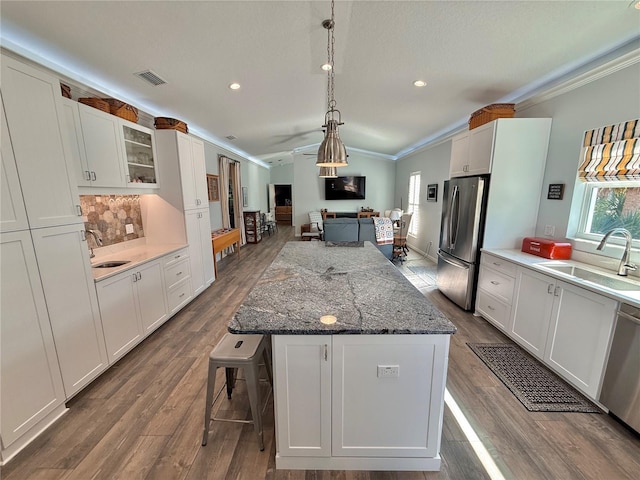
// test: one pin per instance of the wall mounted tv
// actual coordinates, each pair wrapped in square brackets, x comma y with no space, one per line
[344,188]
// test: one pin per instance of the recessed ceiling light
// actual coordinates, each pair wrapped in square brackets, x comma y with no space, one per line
[234,86]
[326,67]
[637,5]
[419,83]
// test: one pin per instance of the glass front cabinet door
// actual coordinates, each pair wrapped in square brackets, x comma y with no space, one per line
[139,154]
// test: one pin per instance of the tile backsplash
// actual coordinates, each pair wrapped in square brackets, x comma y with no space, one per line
[109,215]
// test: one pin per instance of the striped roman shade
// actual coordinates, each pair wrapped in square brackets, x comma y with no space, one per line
[611,153]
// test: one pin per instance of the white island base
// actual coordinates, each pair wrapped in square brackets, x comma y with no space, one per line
[359,402]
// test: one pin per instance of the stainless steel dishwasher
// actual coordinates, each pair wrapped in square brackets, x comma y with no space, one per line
[621,385]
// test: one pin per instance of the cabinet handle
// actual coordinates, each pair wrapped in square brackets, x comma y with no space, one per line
[139,276]
[493,282]
[93,176]
[490,307]
[557,290]
[550,288]
[79,209]
[83,236]
[135,277]
[326,352]
[497,264]
[87,175]
[181,295]
[176,257]
[178,274]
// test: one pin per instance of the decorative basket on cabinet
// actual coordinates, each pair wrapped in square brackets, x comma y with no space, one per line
[491,112]
[94,102]
[166,123]
[122,110]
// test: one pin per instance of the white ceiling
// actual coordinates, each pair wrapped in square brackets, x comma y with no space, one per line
[471,54]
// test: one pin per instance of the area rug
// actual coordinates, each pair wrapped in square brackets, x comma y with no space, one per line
[537,388]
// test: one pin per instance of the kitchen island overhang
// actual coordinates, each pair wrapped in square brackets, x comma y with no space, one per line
[367,391]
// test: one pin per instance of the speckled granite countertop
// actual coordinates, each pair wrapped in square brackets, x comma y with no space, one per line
[354,283]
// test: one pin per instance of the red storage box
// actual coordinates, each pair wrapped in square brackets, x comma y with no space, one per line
[546,248]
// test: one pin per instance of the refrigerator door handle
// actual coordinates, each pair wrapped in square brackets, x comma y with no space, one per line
[454,217]
[453,261]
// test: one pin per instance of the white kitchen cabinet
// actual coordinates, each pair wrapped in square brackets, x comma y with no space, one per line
[496,283]
[98,155]
[302,378]
[69,289]
[139,153]
[200,249]
[32,394]
[13,215]
[35,118]
[131,304]
[532,307]
[471,152]
[193,172]
[579,334]
[177,280]
[332,401]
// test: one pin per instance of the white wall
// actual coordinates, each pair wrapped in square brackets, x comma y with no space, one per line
[433,165]
[308,188]
[282,174]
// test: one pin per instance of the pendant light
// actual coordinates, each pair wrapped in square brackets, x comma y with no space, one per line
[332,152]
[328,172]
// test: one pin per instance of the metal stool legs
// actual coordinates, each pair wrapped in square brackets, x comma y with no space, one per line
[231,353]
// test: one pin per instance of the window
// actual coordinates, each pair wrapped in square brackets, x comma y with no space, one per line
[414,202]
[610,205]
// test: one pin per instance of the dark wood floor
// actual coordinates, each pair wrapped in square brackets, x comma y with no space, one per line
[142,419]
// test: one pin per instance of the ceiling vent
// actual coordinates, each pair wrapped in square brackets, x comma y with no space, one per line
[151,77]
[231,137]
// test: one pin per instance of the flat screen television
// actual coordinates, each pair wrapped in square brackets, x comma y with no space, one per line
[345,188]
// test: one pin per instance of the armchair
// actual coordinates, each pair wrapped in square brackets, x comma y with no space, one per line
[314,229]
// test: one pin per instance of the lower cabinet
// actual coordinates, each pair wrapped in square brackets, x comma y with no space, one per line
[567,327]
[200,253]
[496,282]
[31,389]
[131,304]
[177,280]
[69,289]
[359,401]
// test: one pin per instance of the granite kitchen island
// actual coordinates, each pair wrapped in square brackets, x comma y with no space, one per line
[359,359]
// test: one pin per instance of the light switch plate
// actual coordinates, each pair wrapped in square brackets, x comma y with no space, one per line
[388,371]
[128,228]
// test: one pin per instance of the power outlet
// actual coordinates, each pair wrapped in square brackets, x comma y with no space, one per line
[388,371]
[128,228]
[550,230]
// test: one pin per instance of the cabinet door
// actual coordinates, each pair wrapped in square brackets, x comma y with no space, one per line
[13,215]
[138,151]
[200,251]
[199,173]
[151,295]
[481,149]
[579,335]
[119,311]
[30,381]
[81,169]
[102,147]
[459,155]
[33,107]
[401,414]
[302,378]
[187,173]
[63,259]
[532,310]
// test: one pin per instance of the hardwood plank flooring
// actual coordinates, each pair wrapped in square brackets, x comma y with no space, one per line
[143,418]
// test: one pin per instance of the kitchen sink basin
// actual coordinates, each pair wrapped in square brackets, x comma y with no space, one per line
[596,277]
[111,264]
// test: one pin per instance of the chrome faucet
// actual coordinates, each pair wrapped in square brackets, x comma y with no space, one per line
[96,237]
[625,266]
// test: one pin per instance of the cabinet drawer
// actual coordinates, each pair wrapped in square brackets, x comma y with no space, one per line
[493,310]
[175,257]
[179,295]
[497,284]
[176,273]
[496,263]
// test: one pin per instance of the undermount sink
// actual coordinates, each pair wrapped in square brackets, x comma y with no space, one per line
[111,264]
[595,277]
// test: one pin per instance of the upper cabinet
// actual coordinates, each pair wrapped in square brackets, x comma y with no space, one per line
[109,151]
[35,120]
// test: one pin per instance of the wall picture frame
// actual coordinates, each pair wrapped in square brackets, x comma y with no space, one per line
[432,192]
[245,197]
[213,188]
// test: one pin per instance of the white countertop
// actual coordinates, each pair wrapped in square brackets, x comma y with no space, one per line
[136,255]
[534,262]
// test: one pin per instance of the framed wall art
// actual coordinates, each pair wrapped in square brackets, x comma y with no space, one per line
[432,192]
[212,187]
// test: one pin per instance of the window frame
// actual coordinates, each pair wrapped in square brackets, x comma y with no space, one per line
[414,207]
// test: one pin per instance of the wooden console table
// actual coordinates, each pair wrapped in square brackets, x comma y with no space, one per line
[221,239]
[368,214]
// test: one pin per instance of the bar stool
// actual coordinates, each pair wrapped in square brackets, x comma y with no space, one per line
[231,353]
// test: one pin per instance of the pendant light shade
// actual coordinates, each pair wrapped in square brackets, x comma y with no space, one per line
[328,172]
[332,152]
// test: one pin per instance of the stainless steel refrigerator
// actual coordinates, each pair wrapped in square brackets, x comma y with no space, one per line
[461,231]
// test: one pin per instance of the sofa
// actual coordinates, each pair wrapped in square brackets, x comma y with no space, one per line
[354,230]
